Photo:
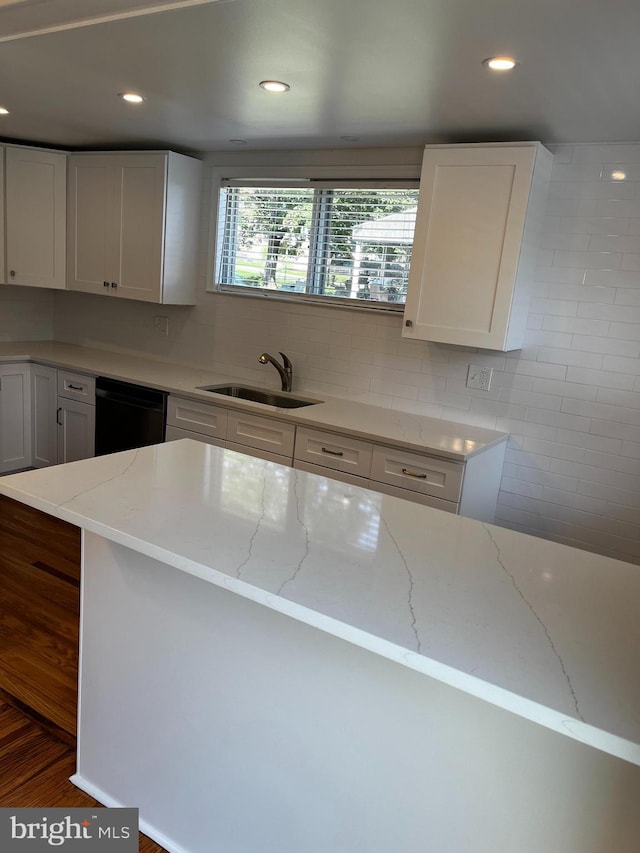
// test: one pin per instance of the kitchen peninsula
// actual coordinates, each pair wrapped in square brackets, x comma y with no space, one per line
[274,661]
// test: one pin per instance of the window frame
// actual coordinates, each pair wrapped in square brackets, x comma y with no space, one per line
[343,177]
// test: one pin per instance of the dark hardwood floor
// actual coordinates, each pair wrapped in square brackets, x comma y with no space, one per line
[39,626]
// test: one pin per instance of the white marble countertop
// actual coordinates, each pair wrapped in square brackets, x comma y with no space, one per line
[543,630]
[448,439]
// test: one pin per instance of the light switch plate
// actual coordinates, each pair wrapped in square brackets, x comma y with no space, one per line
[479,378]
[161,325]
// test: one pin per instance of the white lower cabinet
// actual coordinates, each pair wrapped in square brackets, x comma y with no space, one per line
[44,402]
[76,416]
[263,437]
[15,417]
[173,433]
[469,488]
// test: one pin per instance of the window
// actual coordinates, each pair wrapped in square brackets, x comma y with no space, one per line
[318,242]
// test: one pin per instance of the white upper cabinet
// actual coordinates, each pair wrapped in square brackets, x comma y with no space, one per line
[35,210]
[476,238]
[133,222]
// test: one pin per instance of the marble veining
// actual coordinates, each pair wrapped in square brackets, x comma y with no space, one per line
[540,629]
[542,625]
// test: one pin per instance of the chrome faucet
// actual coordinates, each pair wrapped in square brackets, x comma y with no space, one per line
[285,369]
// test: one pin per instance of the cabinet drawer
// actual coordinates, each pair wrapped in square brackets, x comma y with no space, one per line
[415,497]
[174,433]
[197,417]
[261,433]
[363,482]
[334,451]
[258,453]
[77,386]
[424,474]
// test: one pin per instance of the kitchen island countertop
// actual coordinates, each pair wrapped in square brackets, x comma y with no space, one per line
[542,630]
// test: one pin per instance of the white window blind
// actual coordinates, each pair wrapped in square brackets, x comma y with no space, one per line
[317,239]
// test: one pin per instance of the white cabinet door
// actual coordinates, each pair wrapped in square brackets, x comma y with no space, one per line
[15,418]
[36,192]
[133,225]
[44,397]
[474,244]
[76,430]
[90,223]
[139,225]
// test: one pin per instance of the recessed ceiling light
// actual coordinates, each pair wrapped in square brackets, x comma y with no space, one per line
[618,176]
[500,63]
[275,86]
[238,141]
[131,97]
[4,111]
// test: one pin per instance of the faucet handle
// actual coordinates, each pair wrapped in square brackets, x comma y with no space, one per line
[286,361]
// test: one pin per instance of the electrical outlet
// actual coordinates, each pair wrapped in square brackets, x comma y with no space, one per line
[479,378]
[161,325]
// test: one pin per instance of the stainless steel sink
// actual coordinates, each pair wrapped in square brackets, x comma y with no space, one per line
[258,395]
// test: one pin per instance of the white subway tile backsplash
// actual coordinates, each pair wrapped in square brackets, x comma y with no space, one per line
[520,487]
[558,419]
[570,358]
[586,225]
[611,278]
[565,389]
[628,296]
[570,242]
[618,364]
[555,307]
[600,378]
[600,189]
[542,338]
[594,410]
[606,346]
[626,431]
[631,448]
[576,325]
[624,208]
[606,153]
[614,243]
[582,172]
[558,275]
[535,368]
[580,293]
[548,478]
[630,399]
[588,260]
[630,262]
[531,399]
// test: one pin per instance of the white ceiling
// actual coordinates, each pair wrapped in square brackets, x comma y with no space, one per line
[399,72]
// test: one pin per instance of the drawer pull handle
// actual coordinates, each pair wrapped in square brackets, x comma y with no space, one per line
[332,452]
[408,473]
[73,387]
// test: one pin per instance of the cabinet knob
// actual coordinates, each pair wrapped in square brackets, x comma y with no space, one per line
[105,284]
[408,323]
[114,284]
[12,273]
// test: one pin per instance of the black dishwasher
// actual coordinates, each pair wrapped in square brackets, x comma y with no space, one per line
[127,416]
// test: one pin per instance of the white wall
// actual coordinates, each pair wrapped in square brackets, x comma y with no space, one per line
[569,397]
[26,313]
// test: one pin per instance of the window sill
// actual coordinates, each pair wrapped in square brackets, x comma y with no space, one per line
[303,299]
